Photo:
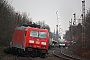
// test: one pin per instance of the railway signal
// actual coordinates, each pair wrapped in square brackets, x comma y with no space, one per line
[74,22]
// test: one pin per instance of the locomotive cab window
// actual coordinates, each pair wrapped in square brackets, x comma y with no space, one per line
[34,33]
[42,34]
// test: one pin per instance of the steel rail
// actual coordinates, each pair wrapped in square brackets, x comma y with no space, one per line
[64,56]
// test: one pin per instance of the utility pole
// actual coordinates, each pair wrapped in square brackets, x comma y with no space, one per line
[57,25]
[59,29]
[83,28]
[71,21]
[73,27]
[54,35]
[70,24]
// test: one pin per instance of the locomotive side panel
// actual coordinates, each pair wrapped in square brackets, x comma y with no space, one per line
[18,39]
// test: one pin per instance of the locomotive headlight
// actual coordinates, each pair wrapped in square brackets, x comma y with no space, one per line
[31,41]
[43,43]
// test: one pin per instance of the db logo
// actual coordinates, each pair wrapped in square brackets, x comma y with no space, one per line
[37,41]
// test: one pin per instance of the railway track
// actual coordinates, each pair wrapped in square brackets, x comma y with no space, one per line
[63,56]
[16,57]
[50,56]
[54,54]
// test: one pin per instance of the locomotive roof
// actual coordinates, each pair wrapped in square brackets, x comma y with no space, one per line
[20,28]
[23,28]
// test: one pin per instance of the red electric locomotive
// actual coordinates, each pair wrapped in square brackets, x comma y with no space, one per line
[31,40]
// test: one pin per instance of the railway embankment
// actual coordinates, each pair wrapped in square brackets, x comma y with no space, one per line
[69,51]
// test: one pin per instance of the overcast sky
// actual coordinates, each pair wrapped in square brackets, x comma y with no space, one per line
[46,10]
